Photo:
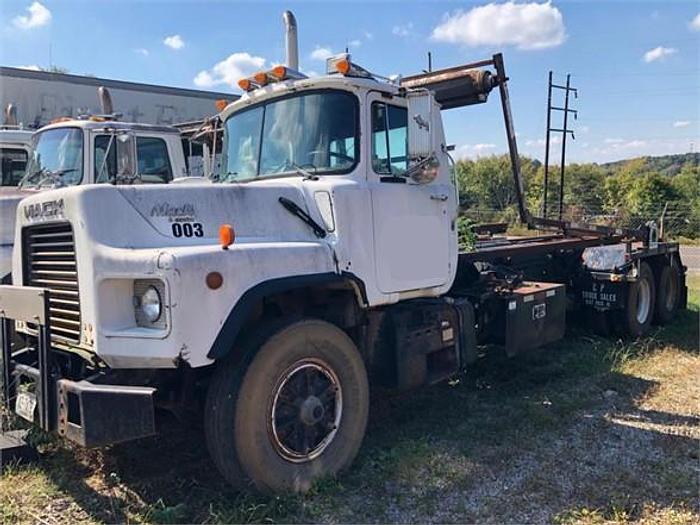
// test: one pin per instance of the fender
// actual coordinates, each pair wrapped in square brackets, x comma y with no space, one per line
[241,311]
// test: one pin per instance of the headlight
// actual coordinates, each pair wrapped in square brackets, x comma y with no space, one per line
[151,305]
[148,303]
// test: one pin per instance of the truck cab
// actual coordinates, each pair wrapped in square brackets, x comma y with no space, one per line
[93,150]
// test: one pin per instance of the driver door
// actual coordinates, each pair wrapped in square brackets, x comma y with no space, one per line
[410,221]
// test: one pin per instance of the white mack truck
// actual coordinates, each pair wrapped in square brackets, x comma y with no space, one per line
[324,260]
[93,149]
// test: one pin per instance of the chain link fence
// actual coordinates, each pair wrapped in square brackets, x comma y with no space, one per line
[677,219]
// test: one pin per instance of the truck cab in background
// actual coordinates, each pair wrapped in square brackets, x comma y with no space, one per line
[93,150]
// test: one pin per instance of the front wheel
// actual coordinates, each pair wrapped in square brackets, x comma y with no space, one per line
[298,412]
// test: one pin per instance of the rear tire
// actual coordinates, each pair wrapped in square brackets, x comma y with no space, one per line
[669,293]
[641,299]
[296,413]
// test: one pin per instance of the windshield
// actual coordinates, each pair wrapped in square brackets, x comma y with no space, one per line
[56,158]
[311,133]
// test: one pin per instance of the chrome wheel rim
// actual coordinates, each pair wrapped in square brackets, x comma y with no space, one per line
[305,412]
[643,301]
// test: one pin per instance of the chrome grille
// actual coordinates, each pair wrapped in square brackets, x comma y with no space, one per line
[49,262]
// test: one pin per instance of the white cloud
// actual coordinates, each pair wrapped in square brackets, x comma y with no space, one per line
[467,151]
[355,43]
[526,26]
[174,42]
[32,67]
[554,139]
[681,124]
[321,53]
[369,36]
[617,144]
[38,16]
[229,71]
[659,53]
[402,30]
[141,51]
[695,23]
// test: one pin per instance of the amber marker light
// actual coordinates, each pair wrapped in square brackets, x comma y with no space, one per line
[214,280]
[343,66]
[260,78]
[245,84]
[279,72]
[226,236]
[221,104]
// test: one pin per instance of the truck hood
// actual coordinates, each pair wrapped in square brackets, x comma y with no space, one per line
[155,216]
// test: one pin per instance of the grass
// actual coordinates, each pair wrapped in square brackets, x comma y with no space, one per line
[590,430]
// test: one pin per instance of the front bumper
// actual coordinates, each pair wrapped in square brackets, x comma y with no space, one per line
[84,411]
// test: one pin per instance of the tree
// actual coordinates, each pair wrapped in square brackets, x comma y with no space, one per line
[648,196]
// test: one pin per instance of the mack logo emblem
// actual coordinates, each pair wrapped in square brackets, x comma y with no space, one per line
[44,210]
[165,209]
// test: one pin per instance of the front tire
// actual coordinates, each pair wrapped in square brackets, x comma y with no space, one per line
[296,413]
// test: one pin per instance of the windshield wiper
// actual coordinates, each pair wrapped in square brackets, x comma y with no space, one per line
[302,171]
[54,175]
[296,210]
[228,177]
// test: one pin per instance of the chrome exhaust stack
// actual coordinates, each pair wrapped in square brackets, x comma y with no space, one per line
[106,106]
[10,115]
[292,44]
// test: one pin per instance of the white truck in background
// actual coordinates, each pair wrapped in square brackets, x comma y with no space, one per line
[322,260]
[92,149]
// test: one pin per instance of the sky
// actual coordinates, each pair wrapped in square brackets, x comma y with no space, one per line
[636,64]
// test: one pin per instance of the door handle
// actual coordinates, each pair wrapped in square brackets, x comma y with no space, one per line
[442,197]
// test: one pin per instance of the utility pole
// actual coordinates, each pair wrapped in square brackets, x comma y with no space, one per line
[546,146]
[565,131]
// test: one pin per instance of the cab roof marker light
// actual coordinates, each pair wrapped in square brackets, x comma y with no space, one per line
[261,78]
[342,64]
[245,84]
[281,72]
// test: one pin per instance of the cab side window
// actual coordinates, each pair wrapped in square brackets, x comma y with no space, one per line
[389,139]
[105,158]
[153,160]
[14,160]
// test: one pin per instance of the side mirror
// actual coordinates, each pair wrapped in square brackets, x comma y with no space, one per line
[126,155]
[420,123]
[422,162]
